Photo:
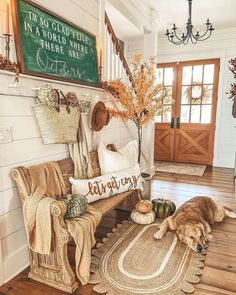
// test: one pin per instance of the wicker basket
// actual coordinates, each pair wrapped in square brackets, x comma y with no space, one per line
[57,127]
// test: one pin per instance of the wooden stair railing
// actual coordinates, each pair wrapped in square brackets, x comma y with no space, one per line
[116,47]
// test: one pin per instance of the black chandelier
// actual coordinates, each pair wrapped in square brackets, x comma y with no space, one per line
[189,34]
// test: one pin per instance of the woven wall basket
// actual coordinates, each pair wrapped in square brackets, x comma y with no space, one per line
[57,127]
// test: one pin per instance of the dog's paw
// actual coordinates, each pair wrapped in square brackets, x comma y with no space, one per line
[158,235]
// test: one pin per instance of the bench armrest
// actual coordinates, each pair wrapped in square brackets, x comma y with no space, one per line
[58,208]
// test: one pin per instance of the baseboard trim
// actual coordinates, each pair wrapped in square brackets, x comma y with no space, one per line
[235,166]
[1,266]
[223,164]
[15,263]
[18,271]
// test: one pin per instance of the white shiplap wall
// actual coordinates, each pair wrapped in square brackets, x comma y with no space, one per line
[27,147]
[222,44]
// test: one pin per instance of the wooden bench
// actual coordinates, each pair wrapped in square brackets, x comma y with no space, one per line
[54,269]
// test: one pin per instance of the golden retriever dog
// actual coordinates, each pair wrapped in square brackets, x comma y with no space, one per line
[192,222]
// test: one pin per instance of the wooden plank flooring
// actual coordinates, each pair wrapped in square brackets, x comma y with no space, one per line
[219,274]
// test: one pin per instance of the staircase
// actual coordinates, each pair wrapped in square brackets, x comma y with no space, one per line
[116,66]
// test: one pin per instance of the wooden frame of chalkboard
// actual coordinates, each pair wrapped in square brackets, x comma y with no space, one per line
[51,47]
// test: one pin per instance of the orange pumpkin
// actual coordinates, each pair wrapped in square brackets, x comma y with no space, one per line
[144,206]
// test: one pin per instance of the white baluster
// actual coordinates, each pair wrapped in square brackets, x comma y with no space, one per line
[108,52]
[118,66]
[111,59]
[114,62]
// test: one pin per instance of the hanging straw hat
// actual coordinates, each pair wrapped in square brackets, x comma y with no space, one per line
[100,116]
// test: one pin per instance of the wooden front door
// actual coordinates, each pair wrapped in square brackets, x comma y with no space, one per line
[186,134]
[164,127]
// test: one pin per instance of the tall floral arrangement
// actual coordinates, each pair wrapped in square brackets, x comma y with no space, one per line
[143,99]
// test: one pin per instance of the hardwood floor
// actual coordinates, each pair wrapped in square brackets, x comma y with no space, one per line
[219,274]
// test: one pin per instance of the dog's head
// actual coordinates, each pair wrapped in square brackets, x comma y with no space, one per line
[193,235]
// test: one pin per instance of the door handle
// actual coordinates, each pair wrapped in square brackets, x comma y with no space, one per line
[172,123]
[178,122]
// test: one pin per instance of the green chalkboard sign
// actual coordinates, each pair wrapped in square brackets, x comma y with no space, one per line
[49,46]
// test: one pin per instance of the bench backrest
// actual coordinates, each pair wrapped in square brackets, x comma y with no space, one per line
[67,168]
[23,181]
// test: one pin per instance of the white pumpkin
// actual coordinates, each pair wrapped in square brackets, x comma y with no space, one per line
[142,218]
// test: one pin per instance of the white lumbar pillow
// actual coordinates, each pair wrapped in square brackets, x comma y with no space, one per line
[124,158]
[107,185]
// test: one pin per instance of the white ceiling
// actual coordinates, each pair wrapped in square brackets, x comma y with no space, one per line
[123,28]
[222,14]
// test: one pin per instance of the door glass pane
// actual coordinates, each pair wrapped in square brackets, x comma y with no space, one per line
[187,75]
[164,76]
[195,114]
[207,94]
[208,74]
[167,117]
[168,91]
[185,95]
[159,76]
[196,97]
[167,100]
[168,76]
[196,94]
[157,119]
[185,111]
[206,114]
[197,74]
[196,101]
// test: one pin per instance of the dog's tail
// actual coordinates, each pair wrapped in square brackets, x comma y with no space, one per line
[229,212]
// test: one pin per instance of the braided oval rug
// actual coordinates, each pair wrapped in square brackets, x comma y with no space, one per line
[131,261]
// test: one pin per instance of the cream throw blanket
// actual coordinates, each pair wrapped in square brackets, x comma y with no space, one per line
[46,185]
[47,180]
[37,218]
[79,153]
[82,230]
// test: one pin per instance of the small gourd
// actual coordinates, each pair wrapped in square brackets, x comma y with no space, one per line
[76,205]
[163,208]
[144,206]
[142,218]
